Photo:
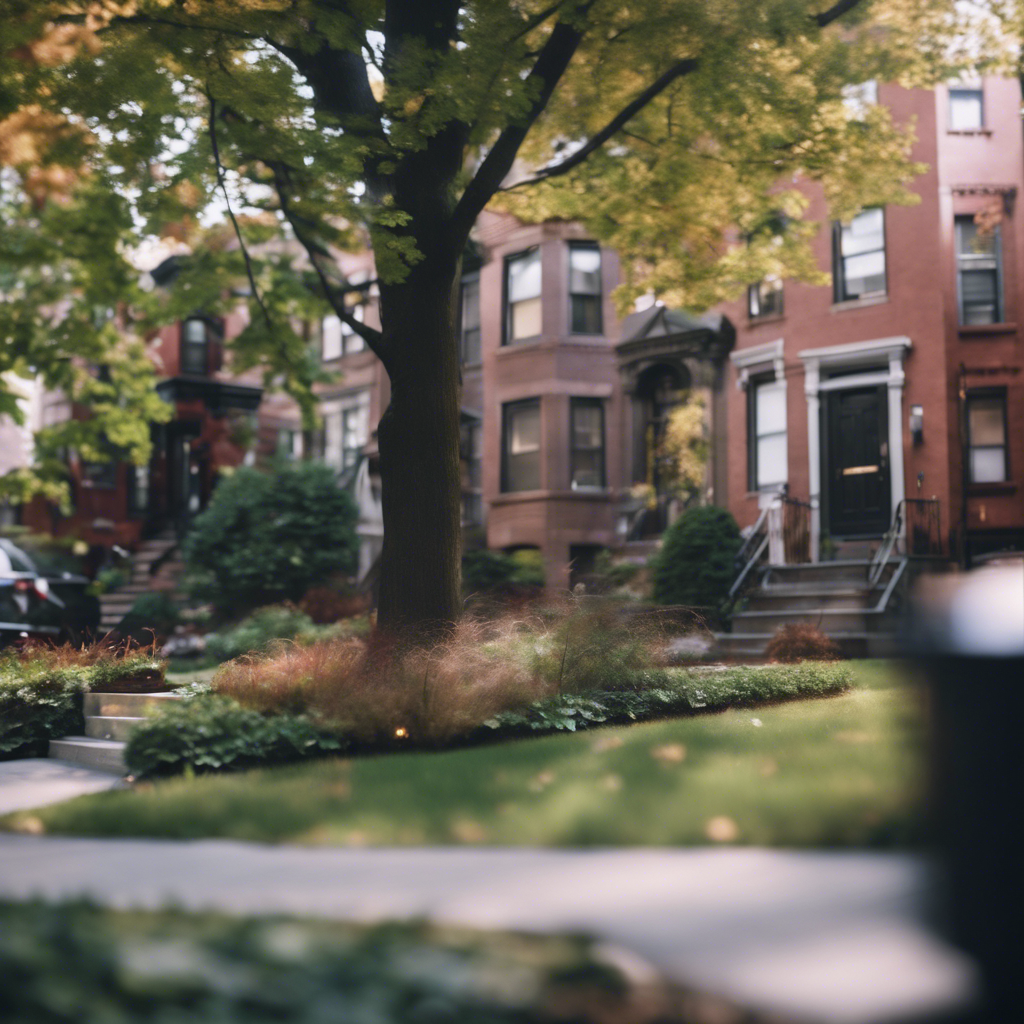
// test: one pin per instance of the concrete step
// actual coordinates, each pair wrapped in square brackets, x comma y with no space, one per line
[828,620]
[109,727]
[124,705]
[824,573]
[103,755]
[792,599]
[744,647]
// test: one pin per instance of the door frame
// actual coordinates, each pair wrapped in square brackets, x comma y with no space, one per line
[891,352]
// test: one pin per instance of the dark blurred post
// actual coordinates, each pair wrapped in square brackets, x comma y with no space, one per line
[970,631]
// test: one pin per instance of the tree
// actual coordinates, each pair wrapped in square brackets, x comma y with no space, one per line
[670,127]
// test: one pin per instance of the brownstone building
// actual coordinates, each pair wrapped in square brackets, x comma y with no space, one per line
[898,387]
[902,381]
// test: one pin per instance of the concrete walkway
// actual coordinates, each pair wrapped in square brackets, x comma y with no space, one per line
[36,781]
[822,936]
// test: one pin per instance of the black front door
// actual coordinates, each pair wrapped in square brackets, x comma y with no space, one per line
[857,463]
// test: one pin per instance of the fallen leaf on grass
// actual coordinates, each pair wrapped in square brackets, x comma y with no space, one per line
[768,768]
[613,783]
[669,753]
[722,830]
[541,781]
[852,736]
[467,831]
[30,825]
[606,743]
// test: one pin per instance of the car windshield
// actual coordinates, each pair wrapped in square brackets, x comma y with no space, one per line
[13,559]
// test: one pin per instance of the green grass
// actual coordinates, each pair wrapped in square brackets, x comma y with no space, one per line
[837,771]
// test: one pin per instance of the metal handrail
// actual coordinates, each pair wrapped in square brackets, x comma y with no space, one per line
[885,549]
[756,539]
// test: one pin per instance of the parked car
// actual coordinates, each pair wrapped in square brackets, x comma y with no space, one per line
[34,605]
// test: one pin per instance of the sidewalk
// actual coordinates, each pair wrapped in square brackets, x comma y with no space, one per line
[833,937]
[35,781]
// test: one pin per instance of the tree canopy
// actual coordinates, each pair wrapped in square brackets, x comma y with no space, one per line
[674,129]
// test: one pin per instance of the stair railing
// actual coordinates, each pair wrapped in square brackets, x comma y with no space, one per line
[885,549]
[748,556]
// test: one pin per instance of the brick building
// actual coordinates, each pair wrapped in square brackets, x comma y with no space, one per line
[901,381]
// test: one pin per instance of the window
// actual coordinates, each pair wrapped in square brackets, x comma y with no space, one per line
[471,453]
[986,438]
[522,297]
[521,446]
[345,434]
[102,475]
[469,338]
[587,443]
[859,256]
[585,287]
[289,443]
[767,460]
[966,109]
[338,338]
[194,346]
[978,273]
[859,98]
[765,298]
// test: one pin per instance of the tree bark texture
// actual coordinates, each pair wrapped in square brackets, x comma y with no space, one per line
[418,436]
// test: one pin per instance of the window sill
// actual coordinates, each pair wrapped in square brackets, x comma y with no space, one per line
[968,131]
[767,318]
[862,303]
[986,330]
[992,489]
[476,365]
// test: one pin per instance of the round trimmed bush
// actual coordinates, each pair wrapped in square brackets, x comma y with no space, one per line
[269,537]
[696,565]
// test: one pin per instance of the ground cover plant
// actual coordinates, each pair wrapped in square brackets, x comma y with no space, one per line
[259,629]
[836,772]
[41,689]
[78,962]
[488,680]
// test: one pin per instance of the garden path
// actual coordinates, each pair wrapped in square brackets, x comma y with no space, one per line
[835,937]
[37,781]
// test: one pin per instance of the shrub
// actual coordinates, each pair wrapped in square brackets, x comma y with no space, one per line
[33,711]
[696,563]
[152,615]
[144,967]
[214,733]
[672,692]
[495,574]
[41,688]
[800,641]
[262,627]
[325,605]
[270,537]
[108,580]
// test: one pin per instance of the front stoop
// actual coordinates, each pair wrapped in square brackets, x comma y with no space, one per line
[836,597]
[109,719]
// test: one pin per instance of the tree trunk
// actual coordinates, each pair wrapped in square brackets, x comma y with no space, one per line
[418,436]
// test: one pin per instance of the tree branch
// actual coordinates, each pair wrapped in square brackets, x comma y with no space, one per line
[318,253]
[545,75]
[221,180]
[596,141]
[836,11]
[683,67]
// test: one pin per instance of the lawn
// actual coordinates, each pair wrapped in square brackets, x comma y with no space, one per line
[829,772]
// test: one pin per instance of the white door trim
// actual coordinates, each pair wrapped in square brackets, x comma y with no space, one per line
[893,351]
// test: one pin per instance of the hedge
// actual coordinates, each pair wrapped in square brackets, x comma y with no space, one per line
[206,732]
[211,733]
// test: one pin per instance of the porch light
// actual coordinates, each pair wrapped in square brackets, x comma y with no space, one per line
[917,423]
